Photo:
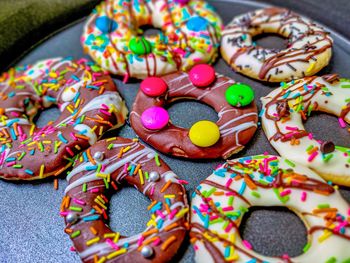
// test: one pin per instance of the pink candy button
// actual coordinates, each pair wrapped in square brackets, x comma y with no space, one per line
[202,75]
[153,86]
[155,118]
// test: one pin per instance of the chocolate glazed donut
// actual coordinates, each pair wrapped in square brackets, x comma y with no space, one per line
[236,125]
[100,172]
[89,105]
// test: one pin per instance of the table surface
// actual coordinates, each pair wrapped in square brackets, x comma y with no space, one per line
[31,229]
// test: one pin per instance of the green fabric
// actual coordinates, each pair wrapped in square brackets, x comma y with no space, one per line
[25,22]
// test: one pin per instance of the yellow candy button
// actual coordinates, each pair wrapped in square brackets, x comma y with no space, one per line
[204,133]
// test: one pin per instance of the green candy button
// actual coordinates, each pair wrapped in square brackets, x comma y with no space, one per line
[239,95]
[140,46]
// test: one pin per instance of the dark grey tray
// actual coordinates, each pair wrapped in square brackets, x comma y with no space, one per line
[31,229]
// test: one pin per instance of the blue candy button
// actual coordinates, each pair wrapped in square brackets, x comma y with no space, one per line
[197,24]
[106,25]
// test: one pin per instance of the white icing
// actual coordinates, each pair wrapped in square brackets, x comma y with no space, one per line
[96,104]
[169,176]
[24,93]
[13,109]
[39,68]
[148,187]
[218,85]
[19,121]
[63,106]
[71,91]
[224,131]
[151,155]
[335,168]
[238,35]
[89,132]
[91,176]
[319,251]
[60,63]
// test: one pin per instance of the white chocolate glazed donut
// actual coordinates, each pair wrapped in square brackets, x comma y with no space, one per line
[284,110]
[221,200]
[190,35]
[309,47]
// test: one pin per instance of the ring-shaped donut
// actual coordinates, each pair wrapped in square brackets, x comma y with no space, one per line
[205,139]
[309,46]
[190,34]
[220,201]
[286,108]
[96,176]
[89,105]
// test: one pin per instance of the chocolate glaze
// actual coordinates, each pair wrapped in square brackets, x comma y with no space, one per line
[174,140]
[54,163]
[119,178]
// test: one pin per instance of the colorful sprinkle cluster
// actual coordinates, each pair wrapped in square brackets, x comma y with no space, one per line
[221,200]
[300,97]
[114,161]
[190,35]
[68,84]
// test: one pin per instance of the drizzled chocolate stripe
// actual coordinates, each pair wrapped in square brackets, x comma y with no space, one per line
[279,100]
[255,21]
[213,250]
[181,39]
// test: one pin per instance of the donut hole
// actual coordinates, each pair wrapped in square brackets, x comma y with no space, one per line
[184,113]
[326,127]
[274,231]
[43,117]
[149,30]
[270,41]
[128,211]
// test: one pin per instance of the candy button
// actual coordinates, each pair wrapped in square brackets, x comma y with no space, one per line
[140,46]
[153,86]
[202,75]
[197,24]
[155,118]
[239,95]
[106,25]
[204,133]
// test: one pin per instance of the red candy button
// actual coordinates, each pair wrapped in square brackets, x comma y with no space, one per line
[202,75]
[153,86]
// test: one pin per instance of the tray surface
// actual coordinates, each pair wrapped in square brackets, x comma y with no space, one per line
[31,229]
